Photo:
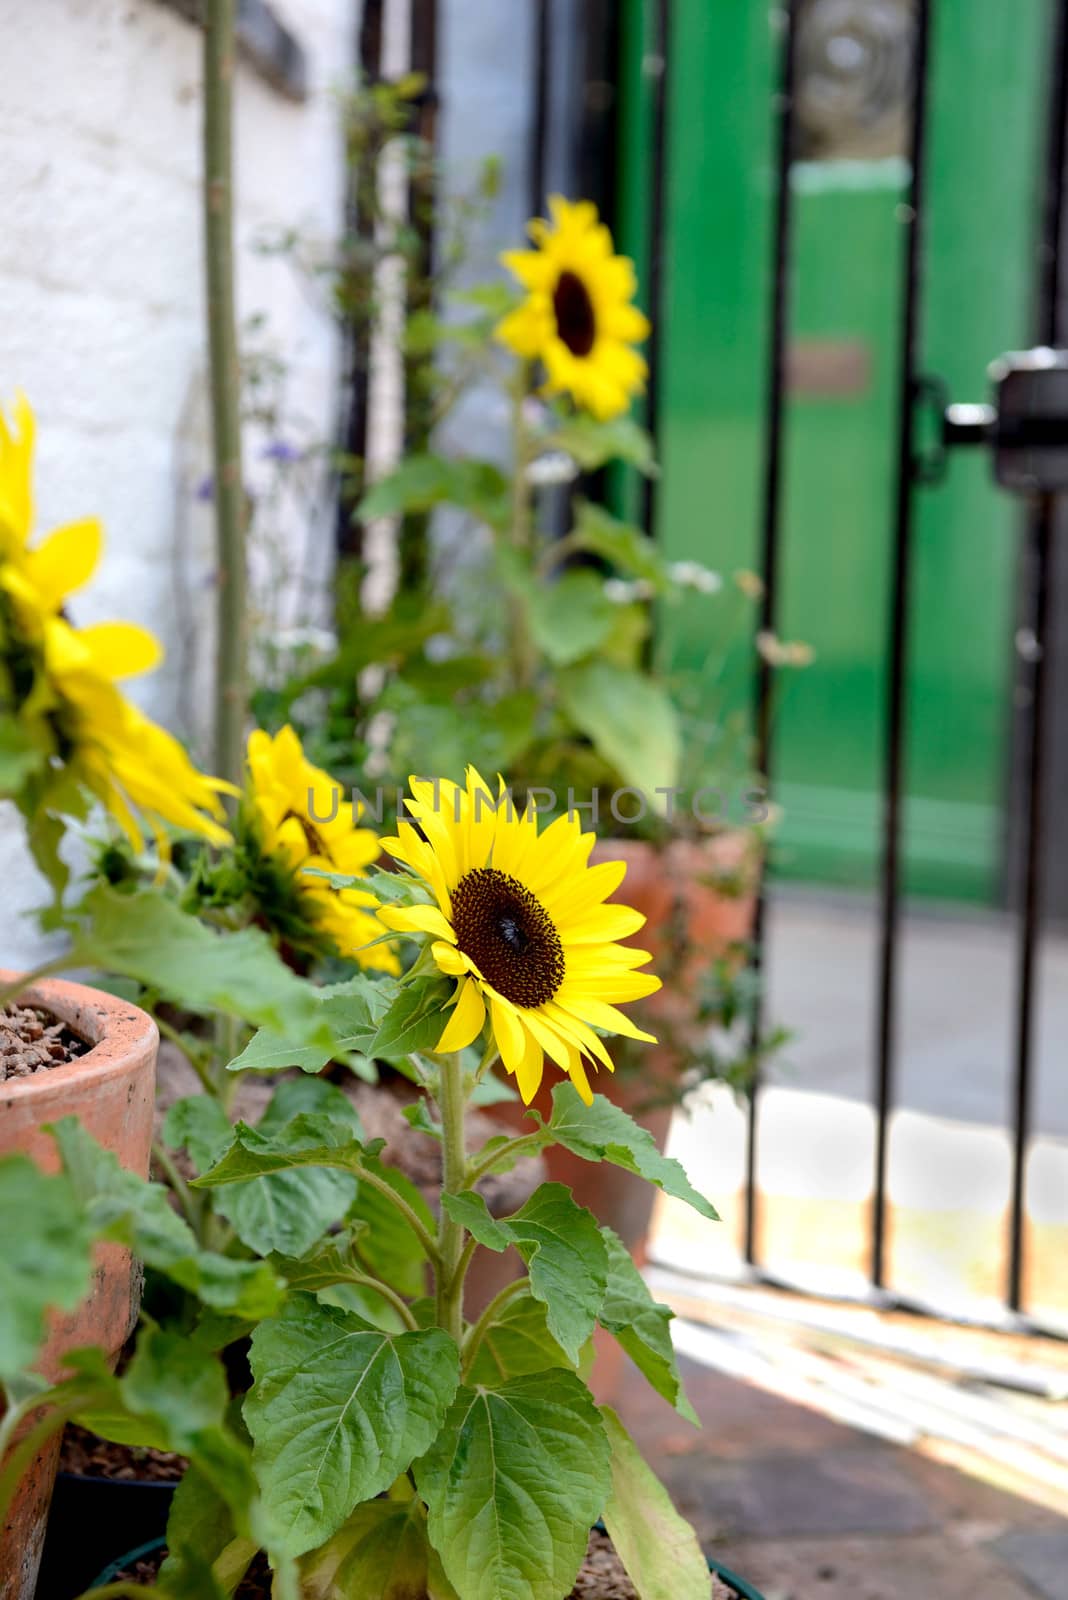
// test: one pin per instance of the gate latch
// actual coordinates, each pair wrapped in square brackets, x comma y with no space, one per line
[1025,425]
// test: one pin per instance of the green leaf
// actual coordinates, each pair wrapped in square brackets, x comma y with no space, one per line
[415,1020]
[593,444]
[517,1342]
[632,722]
[337,1411]
[388,1246]
[44,1257]
[381,1553]
[199,1125]
[512,1485]
[171,1392]
[120,1206]
[571,616]
[20,757]
[604,1132]
[658,1547]
[286,1212]
[642,1326]
[629,550]
[348,1015]
[563,1249]
[424,481]
[146,937]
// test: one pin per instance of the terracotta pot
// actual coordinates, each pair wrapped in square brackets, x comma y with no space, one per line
[111,1090]
[698,896]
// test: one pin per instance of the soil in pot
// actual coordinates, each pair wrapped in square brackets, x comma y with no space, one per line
[602,1576]
[32,1040]
[107,1497]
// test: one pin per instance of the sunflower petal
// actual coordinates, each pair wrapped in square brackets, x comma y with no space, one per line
[468,1016]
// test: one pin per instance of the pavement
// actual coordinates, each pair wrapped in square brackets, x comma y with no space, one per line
[807,1508]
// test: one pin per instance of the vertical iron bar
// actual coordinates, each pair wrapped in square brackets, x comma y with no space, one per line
[655,254]
[540,127]
[1040,577]
[774,424]
[893,798]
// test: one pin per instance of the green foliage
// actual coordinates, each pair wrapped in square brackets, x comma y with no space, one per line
[381,1553]
[562,1247]
[594,444]
[240,974]
[118,1205]
[44,1258]
[338,1410]
[658,1548]
[629,550]
[604,1132]
[512,1483]
[608,703]
[422,482]
[642,1326]
[517,1342]
[571,617]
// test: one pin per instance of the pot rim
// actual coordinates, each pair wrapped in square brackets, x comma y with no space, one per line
[115,1030]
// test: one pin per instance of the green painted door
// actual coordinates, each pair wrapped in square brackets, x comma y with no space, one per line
[986,100]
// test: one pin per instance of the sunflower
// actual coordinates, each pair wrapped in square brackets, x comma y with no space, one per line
[64,679]
[296,815]
[521,924]
[578,319]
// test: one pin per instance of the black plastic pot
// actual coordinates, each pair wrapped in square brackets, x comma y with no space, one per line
[737,1586]
[90,1519]
[109,1574]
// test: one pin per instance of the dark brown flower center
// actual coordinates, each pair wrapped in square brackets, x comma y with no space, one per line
[509,935]
[575,320]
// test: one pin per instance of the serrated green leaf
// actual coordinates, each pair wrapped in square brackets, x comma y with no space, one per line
[563,1249]
[512,1485]
[147,937]
[171,1392]
[593,444]
[416,1019]
[570,617]
[120,1206]
[199,1125]
[44,1257]
[381,1553]
[632,722]
[642,1326]
[388,1246]
[604,1132]
[349,1015]
[424,481]
[658,1547]
[517,1342]
[337,1411]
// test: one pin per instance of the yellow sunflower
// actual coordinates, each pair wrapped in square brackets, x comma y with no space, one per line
[577,319]
[301,818]
[129,762]
[522,925]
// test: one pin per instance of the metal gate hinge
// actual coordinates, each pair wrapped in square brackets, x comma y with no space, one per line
[1026,424]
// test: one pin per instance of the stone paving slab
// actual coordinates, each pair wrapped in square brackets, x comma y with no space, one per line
[923,1567]
[1041,1557]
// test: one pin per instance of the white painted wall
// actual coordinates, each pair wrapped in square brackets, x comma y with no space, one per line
[101,311]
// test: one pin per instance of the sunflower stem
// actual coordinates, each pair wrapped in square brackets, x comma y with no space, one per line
[451,1235]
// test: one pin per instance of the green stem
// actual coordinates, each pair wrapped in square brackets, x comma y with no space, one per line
[198,1066]
[231,685]
[454,1172]
[510,1152]
[9,992]
[477,1333]
[189,1207]
[368,1281]
[426,1239]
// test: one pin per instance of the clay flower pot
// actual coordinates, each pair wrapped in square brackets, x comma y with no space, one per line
[111,1090]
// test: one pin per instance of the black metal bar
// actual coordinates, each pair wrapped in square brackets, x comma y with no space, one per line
[655,253]
[539,134]
[771,519]
[894,789]
[1040,543]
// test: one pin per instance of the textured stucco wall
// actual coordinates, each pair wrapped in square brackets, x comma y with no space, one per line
[101,307]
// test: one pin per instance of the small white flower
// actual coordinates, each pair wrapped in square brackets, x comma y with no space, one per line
[556,466]
[692,575]
[624,591]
